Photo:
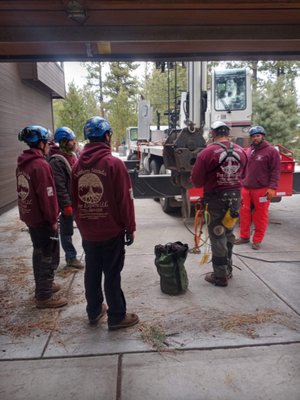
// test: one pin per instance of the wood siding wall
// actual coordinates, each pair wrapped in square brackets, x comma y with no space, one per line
[20,105]
[48,77]
[51,75]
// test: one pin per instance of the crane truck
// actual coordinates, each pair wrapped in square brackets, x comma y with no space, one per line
[161,158]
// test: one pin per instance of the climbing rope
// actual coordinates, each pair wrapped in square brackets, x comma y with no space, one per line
[198,224]
[207,248]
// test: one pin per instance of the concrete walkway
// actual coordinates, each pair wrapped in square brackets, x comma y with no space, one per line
[239,342]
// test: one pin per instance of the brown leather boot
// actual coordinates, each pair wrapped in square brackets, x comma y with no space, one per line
[74,263]
[129,320]
[216,280]
[52,302]
[256,246]
[55,287]
[94,321]
[241,241]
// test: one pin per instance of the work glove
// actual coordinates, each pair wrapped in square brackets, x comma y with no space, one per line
[129,238]
[68,210]
[270,193]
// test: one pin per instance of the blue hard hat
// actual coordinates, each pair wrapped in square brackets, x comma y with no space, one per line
[96,127]
[257,130]
[33,134]
[64,133]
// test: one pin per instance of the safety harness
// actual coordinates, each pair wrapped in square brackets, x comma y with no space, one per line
[229,153]
[202,217]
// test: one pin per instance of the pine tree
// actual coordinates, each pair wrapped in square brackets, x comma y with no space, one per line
[163,89]
[121,116]
[75,109]
[95,78]
[121,77]
[120,90]
[276,109]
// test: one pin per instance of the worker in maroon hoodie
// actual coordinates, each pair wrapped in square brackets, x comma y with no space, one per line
[259,187]
[38,208]
[104,213]
[219,169]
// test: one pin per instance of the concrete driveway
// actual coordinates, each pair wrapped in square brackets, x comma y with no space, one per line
[209,343]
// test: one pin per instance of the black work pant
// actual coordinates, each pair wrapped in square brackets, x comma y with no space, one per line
[45,259]
[105,257]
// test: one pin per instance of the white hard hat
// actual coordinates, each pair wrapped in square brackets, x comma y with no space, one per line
[219,124]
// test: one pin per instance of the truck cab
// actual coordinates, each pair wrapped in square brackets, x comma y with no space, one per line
[230,101]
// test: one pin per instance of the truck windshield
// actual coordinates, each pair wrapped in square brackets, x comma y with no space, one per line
[133,134]
[230,90]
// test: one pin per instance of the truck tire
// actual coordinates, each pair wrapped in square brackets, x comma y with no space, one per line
[154,167]
[146,164]
[165,202]
[132,156]
[154,170]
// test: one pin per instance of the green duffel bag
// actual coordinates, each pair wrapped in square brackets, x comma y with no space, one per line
[169,261]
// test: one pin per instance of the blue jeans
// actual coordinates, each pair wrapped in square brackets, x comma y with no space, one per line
[66,233]
[106,258]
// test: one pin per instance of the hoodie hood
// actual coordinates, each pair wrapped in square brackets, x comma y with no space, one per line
[92,152]
[28,156]
[53,149]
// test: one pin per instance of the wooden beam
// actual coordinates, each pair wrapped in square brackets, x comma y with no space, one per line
[152,18]
[150,51]
[92,5]
[147,33]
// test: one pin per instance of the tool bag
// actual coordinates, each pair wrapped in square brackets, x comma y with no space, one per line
[169,261]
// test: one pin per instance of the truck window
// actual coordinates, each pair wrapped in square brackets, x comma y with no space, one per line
[230,90]
[133,134]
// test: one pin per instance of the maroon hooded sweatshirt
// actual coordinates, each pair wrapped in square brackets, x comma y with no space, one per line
[210,173]
[102,194]
[263,168]
[37,199]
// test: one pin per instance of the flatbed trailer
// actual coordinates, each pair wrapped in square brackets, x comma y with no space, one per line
[151,179]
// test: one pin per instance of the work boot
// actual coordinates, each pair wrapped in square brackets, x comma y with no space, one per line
[52,302]
[94,321]
[74,263]
[256,245]
[55,287]
[241,241]
[129,320]
[216,280]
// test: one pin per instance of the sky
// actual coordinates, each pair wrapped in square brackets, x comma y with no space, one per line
[74,72]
